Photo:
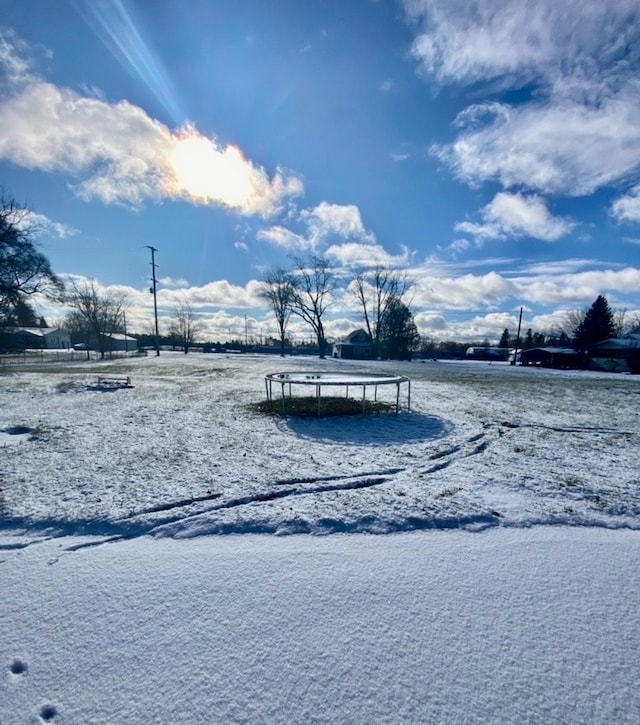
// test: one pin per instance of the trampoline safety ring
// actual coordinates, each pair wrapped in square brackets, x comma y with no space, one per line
[319,380]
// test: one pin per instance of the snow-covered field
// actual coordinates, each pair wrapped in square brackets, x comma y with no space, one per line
[468,609]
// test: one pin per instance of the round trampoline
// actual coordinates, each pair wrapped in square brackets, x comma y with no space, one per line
[287,381]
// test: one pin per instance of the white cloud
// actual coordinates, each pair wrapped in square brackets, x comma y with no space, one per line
[558,266]
[465,41]
[516,215]
[539,286]
[324,224]
[15,67]
[171,283]
[41,224]
[121,155]
[627,208]
[328,221]
[353,254]
[429,322]
[280,236]
[579,288]
[466,292]
[559,146]
[574,130]
[386,86]
[458,246]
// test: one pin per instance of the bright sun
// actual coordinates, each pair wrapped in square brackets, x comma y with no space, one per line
[206,172]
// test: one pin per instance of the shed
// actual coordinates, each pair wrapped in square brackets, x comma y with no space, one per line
[617,354]
[118,341]
[563,358]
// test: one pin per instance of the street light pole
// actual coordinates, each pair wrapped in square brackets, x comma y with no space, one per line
[153,289]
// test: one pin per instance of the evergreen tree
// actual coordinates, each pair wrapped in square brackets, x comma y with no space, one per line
[598,324]
[538,339]
[19,314]
[528,340]
[398,334]
[504,340]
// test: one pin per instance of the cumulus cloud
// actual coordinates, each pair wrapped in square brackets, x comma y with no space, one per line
[466,41]
[516,215]
[171,283]
[325,225]
[540,285]
[119,154]
[41,224]
[352,254]
[430,322]
[465,292]
[556,146]
[627,208]
[329,221]
[282,237]
[575,129]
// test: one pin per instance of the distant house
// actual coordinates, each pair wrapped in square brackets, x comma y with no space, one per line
[562,358]
[34,338]
[355,346]
[119,342]
[617,354]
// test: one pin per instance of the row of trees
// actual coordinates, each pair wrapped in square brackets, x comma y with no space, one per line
[25,272]
[307,291]
[580,330]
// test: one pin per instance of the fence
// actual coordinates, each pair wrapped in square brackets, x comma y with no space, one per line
[28,357]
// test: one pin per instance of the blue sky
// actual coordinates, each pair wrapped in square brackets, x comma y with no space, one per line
[490,148]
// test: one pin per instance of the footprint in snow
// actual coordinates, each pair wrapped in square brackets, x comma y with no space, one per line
[18,667]
[48,712]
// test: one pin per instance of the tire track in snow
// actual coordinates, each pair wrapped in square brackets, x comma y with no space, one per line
[350,484]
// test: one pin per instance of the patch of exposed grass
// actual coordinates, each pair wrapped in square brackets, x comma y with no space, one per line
[307,407]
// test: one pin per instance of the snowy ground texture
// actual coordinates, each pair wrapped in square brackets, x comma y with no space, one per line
[180,454]
[505,588]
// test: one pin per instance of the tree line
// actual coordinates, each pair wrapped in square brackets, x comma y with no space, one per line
[579,330]
[306,289]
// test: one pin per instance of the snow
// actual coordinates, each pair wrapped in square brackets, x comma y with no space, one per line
[504,588]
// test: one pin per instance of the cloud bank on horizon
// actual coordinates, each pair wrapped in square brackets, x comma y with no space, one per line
[548,115]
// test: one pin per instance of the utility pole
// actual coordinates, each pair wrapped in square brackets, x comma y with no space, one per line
[126,338]
[515,352]
[154,291]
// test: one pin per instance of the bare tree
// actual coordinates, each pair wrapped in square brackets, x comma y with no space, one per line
[94,316]
[313,287]
[278,290]
[23,269]
[375,292]
[573,321]
[634,322]
[624,323]
[184,325]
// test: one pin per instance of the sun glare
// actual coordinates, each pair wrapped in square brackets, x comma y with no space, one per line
[207,172]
